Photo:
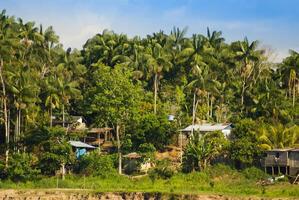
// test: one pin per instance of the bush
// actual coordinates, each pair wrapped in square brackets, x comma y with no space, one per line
[147,148]
[22,167]
[96,165]
[52,148]
[3,173]
[49,163]
[163,170]
[254,173]
[219,170]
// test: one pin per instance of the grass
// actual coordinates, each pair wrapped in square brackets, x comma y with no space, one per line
[219,180]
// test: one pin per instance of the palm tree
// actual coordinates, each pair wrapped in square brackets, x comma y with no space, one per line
[249,56]
[157,61]
[177,36]
[278,136]
[52,100]
[289,73]
[5,23]
[66,91]
[214,38]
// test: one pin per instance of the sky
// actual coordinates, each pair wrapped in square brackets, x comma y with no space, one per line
[275,23]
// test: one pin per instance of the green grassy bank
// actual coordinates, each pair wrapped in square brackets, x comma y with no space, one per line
[218,180]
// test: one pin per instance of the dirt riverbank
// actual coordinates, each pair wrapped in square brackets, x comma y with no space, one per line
[68,194]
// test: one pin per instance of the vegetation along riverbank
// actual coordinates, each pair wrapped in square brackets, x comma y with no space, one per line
[165,114]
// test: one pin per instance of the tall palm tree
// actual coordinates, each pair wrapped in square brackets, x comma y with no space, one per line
[158,63]
[214,38]
[66,91]
[52,99]
[249,56]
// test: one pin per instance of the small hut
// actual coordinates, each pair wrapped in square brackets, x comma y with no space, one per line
[99,136]
[282,161]
[81,148]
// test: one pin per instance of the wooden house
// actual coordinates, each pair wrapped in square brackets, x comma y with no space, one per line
[100,137]
[204,128]
[282,161]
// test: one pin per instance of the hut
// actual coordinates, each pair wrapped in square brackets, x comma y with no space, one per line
[99,137]
[294,161]
[204,128]
[81,148]
[282,161]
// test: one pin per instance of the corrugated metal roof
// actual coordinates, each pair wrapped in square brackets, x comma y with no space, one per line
[207,127]
[281,150]
[80,144]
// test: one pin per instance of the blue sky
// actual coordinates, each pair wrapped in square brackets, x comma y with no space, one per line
[275,23]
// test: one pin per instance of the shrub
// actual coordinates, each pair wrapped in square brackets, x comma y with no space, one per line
[254,173]
[3,173]
[21,167]
[96,165]
[162,170]
[219,169]
[147,148]
[52,148]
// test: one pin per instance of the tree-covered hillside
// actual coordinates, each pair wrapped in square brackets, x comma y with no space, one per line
[133,84]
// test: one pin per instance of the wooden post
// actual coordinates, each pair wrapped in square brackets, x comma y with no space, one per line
[265,170]
[272,170]
[278,170]
[181,144]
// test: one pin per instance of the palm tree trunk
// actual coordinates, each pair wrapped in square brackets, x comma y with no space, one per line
[118,149]
[51,110]
[208,104]
[63,119]
[19,125]
[155,92]
[193,112]
[294,95]
[16,131]
[195,104]
[211,107]
[5,114]
[242,94]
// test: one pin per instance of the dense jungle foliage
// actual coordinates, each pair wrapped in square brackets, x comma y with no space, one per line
[132,85]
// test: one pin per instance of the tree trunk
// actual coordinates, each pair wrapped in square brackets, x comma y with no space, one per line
[63,119]
[155,92]
[208,104]
[63,171]
[6,127]
[294,95]
[195,104]
[19,125]
[193,112]
[211,107]
[118,149]
[51,111]
[242,94]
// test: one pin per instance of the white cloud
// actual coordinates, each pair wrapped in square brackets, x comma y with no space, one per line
[74,32]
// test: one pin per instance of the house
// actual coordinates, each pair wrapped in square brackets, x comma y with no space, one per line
[81,148]
[203,128]
[209,127]
[282,161]
[100,137]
